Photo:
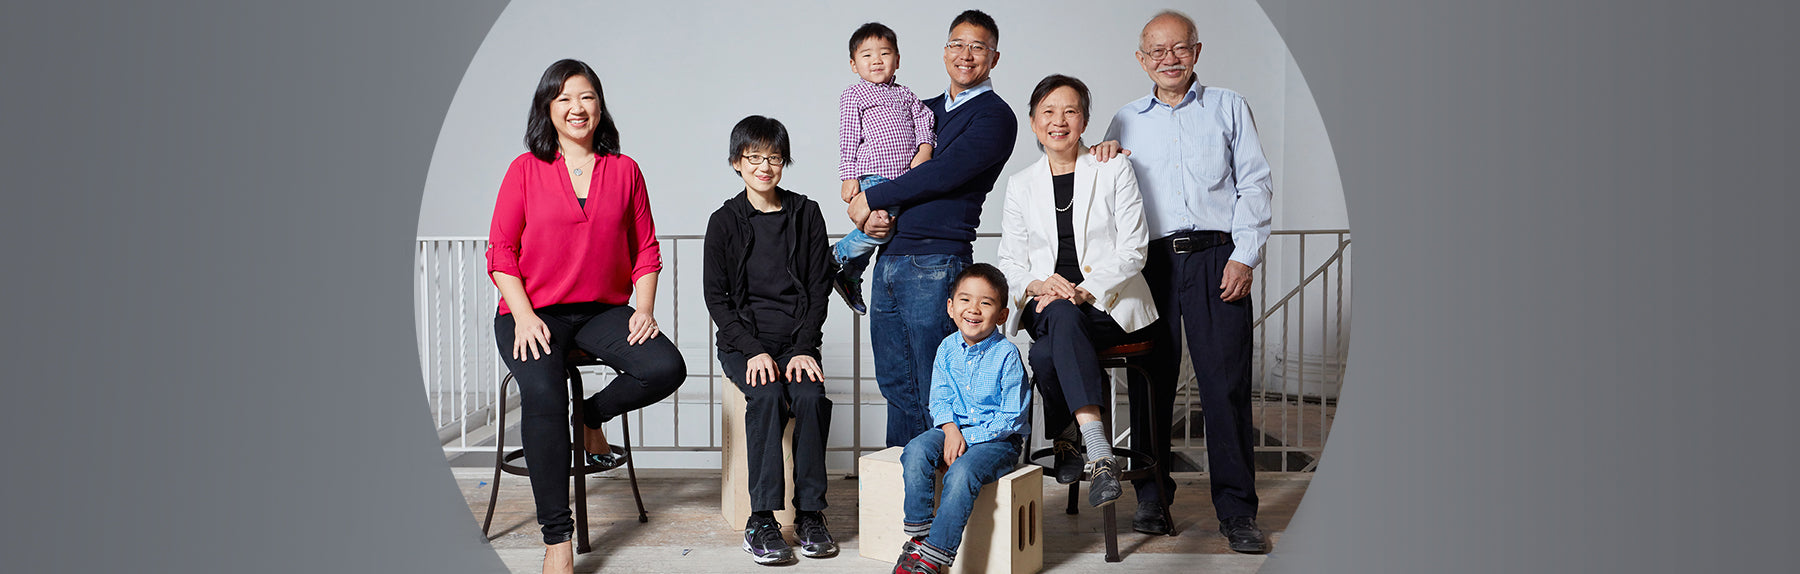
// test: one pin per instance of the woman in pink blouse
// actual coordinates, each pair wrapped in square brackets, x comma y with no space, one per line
[571,240]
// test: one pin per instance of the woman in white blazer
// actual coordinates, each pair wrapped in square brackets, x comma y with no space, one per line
[1072,245]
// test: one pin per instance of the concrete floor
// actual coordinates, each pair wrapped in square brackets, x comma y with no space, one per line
[687,534]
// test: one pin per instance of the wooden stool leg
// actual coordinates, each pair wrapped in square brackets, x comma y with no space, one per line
[499,456]
[1074,495]
[578,469]
[1112,533]
[631,467]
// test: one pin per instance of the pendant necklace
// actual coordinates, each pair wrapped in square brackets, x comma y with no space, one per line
[585,164]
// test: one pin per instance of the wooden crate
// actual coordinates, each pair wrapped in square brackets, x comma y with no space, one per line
[1005,531]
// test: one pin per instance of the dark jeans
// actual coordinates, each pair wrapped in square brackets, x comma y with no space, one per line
[1065,363]
[906,323]
[650,372]
[767,409]
[1186,289]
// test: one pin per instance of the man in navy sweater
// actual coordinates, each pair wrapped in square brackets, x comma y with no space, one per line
[941,201]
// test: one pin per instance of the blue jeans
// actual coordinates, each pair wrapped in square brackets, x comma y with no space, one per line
[853,251]
[907,321]
[980,465]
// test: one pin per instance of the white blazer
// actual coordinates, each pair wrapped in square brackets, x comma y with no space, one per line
[1111,238]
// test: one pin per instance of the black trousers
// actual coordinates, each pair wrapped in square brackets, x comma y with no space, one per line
[1186,289]
[767,409]
[1065,363]
[651,371]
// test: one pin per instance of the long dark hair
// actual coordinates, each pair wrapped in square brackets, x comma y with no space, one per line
[540,134]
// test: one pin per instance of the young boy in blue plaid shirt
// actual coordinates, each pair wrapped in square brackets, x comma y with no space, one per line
[980,403]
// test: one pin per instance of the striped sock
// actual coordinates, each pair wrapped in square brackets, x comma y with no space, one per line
[1094,434]
[936,555]
[916,530]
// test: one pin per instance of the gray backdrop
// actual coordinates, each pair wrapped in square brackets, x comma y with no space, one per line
[1570,353]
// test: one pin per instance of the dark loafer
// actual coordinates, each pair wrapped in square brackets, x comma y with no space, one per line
[1068,461]
[1153,519]
[1243,535]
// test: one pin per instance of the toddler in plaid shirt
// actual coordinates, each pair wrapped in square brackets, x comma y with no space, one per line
[883,130]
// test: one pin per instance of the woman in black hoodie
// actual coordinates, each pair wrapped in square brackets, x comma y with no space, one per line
[767,279]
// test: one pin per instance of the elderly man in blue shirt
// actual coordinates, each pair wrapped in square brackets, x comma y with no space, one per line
[1206,188]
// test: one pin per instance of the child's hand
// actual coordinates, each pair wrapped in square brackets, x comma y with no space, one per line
[954,446]
[849,190]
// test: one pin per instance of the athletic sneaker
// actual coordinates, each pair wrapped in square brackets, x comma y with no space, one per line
[762,539]
[815,540]
[850,288]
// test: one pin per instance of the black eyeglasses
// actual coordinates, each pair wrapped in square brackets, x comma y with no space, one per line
[1181,51]
[758,159]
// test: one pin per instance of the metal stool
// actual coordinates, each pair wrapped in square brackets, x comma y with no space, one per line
[1137,465]
[578,467]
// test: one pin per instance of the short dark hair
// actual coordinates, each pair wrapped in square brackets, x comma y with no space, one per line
[1053,81]
[872,30]
[540,133]
[1049,84]
[759,132]
[985,272]
[981,19]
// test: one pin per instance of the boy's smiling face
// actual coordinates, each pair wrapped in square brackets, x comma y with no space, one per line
[876,60]
[976,308]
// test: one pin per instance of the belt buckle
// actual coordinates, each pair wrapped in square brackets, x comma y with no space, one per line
[1181,244]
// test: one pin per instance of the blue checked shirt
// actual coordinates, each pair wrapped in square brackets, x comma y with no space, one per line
[1200,166]
[981,388]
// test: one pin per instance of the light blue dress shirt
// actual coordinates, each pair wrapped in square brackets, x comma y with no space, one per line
[1200,166]
[981,388]
[951,101]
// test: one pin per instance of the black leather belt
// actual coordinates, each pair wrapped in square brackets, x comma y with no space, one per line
[1192,241]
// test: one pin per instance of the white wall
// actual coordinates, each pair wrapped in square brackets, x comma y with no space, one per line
[678,76]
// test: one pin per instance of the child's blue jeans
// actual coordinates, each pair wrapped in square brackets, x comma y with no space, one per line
[980,465]
[853,251]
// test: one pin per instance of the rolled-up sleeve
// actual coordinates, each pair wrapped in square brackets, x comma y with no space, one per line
[924,121]
[849,132]
[943,395]
[646,251]
[508,224]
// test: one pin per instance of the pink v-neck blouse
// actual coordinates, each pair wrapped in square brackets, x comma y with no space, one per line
[566,253]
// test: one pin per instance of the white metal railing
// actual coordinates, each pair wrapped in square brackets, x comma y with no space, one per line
[461,366]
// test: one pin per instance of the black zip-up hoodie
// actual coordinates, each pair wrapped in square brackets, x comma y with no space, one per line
[726,276]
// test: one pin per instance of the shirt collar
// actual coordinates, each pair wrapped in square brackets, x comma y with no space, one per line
[982,345]
[951,101]
[1195,90]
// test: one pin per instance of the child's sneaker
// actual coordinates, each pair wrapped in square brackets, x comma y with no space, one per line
[815,540]
[919,562]
[850,288]
[762,539]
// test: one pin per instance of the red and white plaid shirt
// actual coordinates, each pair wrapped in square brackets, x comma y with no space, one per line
[880,129]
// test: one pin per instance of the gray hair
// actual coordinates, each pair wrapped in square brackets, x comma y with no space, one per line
[1193,31]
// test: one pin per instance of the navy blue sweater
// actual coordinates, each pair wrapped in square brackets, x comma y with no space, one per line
[940,201]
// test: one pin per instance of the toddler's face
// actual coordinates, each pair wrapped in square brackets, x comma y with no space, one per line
[876,60]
